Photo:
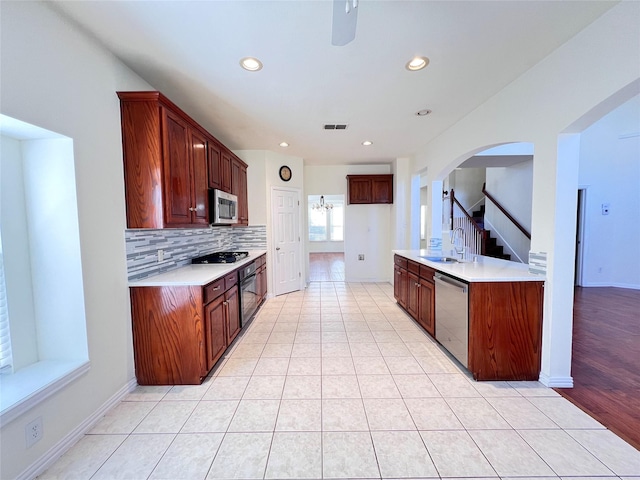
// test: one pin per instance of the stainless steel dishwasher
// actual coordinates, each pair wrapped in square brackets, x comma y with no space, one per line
[452,316]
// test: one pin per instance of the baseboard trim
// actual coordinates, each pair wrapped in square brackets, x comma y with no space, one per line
[60,448]
[630,286]
[556,382]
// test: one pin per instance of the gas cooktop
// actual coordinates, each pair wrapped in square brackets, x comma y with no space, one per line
[220,257]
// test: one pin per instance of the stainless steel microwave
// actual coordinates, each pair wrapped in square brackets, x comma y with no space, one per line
[223,207]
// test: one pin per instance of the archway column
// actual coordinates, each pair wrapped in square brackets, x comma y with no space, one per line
[554,203]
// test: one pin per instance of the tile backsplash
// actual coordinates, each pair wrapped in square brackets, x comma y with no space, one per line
[181,245]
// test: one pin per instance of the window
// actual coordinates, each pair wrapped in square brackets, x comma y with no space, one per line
[6,359]
[43,337]
[326,218]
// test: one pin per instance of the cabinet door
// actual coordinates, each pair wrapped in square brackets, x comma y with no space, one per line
[359,190]
[382,189]
[426,306]
[215,165]
[199,180]
[177,174]
[402,285]
[412,297]
[233,313]
[216,335]
[243,204]
[225,166]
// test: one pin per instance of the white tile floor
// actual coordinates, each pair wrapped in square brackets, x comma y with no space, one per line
[338,382]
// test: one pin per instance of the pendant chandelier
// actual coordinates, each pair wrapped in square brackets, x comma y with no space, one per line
[322,206]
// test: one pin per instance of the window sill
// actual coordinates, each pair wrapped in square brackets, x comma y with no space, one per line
[29,386]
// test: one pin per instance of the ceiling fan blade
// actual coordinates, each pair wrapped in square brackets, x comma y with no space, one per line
[343,28]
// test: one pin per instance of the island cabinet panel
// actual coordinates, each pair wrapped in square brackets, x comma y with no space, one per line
[366,189]
[168,335]
[505,330]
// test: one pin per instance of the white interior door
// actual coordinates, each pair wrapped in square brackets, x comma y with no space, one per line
[285,206]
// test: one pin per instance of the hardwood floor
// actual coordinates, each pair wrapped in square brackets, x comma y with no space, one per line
[326,267]
[606,358]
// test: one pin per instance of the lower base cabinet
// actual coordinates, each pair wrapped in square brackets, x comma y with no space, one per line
[180,332]
[505,320]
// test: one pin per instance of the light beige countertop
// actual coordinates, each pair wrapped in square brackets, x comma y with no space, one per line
[195,274]
[485,269]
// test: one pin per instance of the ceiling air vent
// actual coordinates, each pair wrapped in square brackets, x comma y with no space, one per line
[335,126]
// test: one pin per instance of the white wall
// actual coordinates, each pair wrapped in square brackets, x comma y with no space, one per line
[467,185]
[59,79]
[512,187]
[566,91]
[610,172]
[17,261]
[366,228]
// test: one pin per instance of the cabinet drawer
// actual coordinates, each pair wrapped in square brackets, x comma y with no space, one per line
[413,267]
[230,280]
[427,273]
[213,290]
[400,261]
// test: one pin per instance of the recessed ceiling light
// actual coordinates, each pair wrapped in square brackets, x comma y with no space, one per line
[366,143]
[284,144]
[251,63]
[417,63]
[423,113]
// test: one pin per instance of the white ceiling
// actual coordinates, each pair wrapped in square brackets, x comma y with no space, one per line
[190,50]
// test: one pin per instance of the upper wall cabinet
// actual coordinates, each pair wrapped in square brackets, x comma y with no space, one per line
[169,164]
[365,189]
[165,163]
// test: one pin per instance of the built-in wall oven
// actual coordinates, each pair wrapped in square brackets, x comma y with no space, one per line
[248,293]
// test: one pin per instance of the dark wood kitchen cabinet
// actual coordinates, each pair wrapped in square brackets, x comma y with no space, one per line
[170,162]
[401,281]
[180,332]
[367,189]
[505,320]
[215,165]
[225,171]
[239,188]
[427,300]
[165,163]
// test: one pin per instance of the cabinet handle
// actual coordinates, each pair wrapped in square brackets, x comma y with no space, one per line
[216,288]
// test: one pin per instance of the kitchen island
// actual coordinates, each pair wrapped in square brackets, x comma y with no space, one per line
[185,319]
[493,327]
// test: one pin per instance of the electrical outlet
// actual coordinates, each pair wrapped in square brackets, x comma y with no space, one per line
[33,431]
[361,256]
[160,256]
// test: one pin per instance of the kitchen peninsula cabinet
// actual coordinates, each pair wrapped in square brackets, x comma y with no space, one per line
[367,189]
[505,306]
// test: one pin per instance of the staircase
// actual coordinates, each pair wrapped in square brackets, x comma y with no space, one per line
[492,249]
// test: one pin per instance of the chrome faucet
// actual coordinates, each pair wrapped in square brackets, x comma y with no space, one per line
[454,241]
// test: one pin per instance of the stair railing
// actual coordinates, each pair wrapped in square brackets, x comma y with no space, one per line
[504,211]
[474,235]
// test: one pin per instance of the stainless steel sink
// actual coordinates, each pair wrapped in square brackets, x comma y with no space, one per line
[442,259]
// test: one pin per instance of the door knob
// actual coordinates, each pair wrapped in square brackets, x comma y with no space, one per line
[277,248]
